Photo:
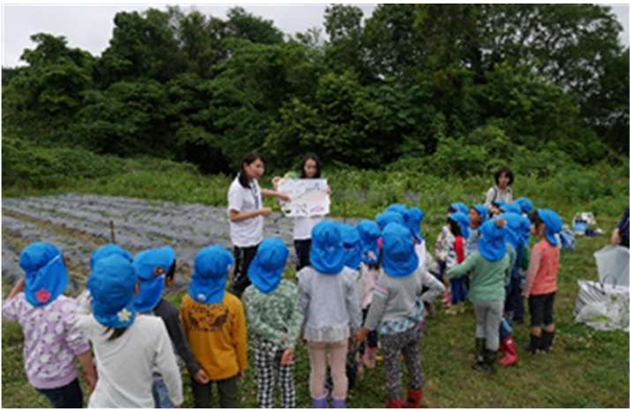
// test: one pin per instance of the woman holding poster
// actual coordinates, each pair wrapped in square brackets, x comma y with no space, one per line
[246,215]
[310,168]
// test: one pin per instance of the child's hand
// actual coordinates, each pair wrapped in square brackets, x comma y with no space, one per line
[499,222]
[265,211]
[287,357]
[202,377]
[241,374]
[284,197]
[328,190]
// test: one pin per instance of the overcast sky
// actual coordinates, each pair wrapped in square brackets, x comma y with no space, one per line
[89,27]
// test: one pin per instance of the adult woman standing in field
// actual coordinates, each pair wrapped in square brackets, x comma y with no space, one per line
[501,191]
[246,215]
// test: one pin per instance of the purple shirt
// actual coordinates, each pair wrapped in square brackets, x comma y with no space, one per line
[51,339]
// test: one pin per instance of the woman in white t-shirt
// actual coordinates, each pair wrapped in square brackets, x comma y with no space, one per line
[246,215]
[310,167]
[501,191]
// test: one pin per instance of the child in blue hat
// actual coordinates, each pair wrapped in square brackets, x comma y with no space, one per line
[275,320]
[156,269]
[542,279]
[518,228]
[477,216]
[214,324]
[488,269]
[458,226]
[369,272]
[397,312]
[331,312]
[128,347]
[52,340]
[84,300]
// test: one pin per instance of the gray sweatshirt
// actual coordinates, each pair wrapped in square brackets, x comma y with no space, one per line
[330,304]
[395,299]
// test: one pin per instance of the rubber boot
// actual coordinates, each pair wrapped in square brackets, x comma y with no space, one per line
[490,357]
[546,340]
[414,398]
[321,403]
[394,403]
[480,347]
[508,348]
[534,343]
[338,403]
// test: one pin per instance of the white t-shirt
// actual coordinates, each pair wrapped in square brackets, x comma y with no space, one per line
[304,225]
[250,231]
[125,365]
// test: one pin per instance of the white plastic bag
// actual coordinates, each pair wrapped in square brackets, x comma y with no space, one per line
[612,265]
[602,306]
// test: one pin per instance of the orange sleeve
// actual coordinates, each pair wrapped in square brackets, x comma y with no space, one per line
[239,335]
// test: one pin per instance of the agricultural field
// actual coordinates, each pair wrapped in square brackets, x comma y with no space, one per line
[587,368]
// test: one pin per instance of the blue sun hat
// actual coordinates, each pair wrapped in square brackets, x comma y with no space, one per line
[107,250]
[492,244]
[482,211]
[399,256]
[151,266]
[462,221]
[207,284]
[401,209]
[512,207]
[415,219]
[514,225]
[553,224]
[459,207]
[265,271]
[111,285]
[46,274]
[351,241]
[387,217]
[526,205]
[369,232]
[327,255]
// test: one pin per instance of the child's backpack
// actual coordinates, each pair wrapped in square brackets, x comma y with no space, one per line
[567,239]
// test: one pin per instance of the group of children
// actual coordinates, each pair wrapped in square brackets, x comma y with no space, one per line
[360,289]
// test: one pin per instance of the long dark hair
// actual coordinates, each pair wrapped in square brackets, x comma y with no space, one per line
[314,157]
[247,160]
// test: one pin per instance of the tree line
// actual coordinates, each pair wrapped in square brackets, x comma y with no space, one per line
[448,87]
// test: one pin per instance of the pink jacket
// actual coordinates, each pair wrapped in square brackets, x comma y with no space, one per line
[542,275]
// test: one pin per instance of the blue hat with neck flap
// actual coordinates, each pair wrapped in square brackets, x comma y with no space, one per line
[212,265]
[351,242]
[370,234]
[553,224]
[112,285]
[151,266]
[327,255]
[46,274]
[265,271]
[492,244]
[399,256]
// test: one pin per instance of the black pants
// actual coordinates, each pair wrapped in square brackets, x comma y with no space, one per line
[69,396]
[227,393]
[242,258]
[541,309]
[303,252]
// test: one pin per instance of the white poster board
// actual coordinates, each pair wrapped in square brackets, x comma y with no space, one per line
[309,197]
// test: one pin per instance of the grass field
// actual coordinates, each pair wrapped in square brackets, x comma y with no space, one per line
[587,368]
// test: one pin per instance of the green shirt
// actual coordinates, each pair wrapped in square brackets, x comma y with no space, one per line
[271,315]
[487,279]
